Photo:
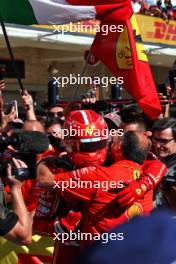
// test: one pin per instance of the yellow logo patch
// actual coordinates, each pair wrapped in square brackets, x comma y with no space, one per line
[90,130]
[136,175]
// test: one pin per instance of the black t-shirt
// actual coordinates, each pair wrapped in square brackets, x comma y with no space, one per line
[8,223]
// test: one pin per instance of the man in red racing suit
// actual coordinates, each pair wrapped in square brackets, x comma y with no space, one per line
[51,203]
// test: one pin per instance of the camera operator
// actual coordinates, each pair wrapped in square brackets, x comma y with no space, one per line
[15,225]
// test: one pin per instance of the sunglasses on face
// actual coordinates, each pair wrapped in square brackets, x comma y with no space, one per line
[58,114]
[162,141]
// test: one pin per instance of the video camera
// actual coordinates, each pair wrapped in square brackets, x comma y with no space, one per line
[26,145]
[170,180]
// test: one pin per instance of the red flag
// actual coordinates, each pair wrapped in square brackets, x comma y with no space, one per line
[123,53]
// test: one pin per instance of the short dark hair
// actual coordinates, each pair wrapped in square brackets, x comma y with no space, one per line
[131,114]
[131,148]
[54,105]
[134,118]
[54,121]
[165,123]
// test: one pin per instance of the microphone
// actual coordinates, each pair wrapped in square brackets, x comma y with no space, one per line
[33,142]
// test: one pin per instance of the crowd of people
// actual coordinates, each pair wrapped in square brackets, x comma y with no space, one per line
[96,173]
[165,9]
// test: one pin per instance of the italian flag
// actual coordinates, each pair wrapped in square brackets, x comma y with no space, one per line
[122,52]
[28,12]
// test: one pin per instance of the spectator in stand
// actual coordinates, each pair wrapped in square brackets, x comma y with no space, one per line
[136,6]
[151,2]
[165,9]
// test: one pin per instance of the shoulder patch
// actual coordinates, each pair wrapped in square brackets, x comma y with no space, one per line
[136,174]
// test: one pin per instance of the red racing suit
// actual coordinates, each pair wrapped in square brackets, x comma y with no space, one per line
[32,191]
[52,206]
[101,211]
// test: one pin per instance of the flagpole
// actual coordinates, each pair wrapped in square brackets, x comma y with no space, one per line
[81,75]
[14,65]
[70,105]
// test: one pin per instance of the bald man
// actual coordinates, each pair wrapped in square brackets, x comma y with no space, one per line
[33,125]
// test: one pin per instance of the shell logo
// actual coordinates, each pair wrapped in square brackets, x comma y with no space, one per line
[134,210]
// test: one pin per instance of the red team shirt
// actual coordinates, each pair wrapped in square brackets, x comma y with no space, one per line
[101,210]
